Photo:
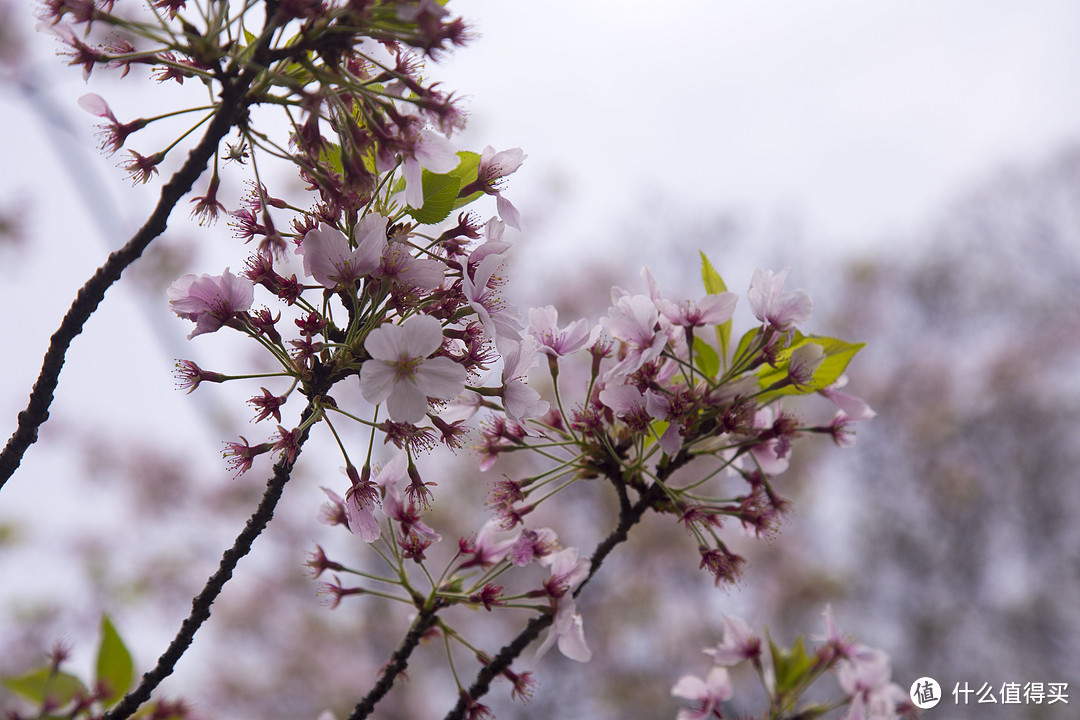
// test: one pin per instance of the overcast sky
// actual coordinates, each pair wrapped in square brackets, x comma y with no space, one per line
[860,117]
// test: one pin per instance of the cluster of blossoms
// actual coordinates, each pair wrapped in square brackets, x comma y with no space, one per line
[377,284]
[863,673]
[421,320]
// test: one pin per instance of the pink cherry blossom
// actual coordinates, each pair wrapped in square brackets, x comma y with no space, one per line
[481,289]
[738,643]
[493,167]
[403,269]
[780,310]
[707,694]
[866,678]
[429,150]
[854,408]
[401,374]
[520,401]
[543,325]
[484,549]
[713,309]
[329,258]
[568,632]
[633,320]
[210,300]
[804,362]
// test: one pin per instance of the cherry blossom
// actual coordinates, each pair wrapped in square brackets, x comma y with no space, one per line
[210,300]
[493,167]
[331,261]
[738,643]
[780,310]
[519,400]
[401,374]
[633,320]
[568,632]
[481,290]
[543,325]
[708,693]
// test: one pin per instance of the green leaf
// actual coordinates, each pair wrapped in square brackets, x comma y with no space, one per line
[440,193]
[838,354]
[706,359]
[467,171]
[41,685]
[745,342]
[249,37]
[114,669]
[714,285]
[791,666]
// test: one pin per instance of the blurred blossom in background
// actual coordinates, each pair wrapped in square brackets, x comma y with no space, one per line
[916,164]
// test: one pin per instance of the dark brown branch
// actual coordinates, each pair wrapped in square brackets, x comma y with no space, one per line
[231,111]
[398,661]
[509,653]
[200,606]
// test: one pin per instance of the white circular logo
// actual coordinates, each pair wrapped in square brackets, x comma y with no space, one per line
[925,693]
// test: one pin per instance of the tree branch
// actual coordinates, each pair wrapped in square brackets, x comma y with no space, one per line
[200,605]
[231,110]
[509,653]
[398,661]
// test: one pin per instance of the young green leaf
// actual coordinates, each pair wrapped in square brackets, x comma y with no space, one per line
[791,666]
[714,285]
[838,354]
[41,685]
[114,669]
[466,172]
[705,357]
[440,193]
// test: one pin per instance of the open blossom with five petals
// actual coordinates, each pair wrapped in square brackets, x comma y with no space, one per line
[329,258]
[713,309]
[707,694]
[210,300]
[780,310]
[543,325]
[633,320]
[401,374]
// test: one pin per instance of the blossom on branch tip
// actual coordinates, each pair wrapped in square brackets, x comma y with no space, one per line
[493,167]
[738,643]
[707,694]
[211,301]
[401,374]
[568,632]
[780,310]
[330,259]
[543,325]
